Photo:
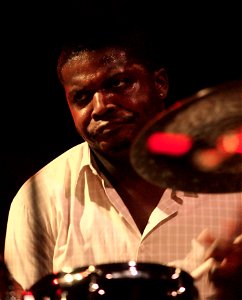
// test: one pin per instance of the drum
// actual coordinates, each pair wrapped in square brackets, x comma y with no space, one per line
[9,288]
[119,281]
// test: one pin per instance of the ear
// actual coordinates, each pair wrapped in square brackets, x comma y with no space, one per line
[161,82]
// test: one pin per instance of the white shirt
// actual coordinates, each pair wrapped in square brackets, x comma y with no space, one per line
[67,216]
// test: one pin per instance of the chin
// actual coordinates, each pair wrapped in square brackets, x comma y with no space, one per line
[117,151]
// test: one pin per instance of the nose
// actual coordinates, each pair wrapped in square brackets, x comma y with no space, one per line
[101,105]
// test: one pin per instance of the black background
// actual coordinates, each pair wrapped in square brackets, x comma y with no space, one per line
[204,45]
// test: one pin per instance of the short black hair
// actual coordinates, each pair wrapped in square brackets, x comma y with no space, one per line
[138,42]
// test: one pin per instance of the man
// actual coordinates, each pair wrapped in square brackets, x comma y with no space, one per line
[89,206]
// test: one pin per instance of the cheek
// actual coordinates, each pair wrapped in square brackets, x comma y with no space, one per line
[141,103]
[144,96]
[80,118]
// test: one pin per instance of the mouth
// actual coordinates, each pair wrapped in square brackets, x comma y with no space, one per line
[108,127]
[113,135]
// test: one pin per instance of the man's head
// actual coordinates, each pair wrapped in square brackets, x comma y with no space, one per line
[113,87]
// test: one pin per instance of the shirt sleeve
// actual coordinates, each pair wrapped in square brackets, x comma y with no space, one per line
[29,247]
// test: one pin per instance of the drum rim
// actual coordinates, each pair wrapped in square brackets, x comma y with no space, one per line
[152,270]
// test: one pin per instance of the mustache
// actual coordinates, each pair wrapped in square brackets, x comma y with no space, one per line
[99,126]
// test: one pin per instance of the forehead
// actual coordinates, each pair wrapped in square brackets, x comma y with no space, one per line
[90,66]
[99,58]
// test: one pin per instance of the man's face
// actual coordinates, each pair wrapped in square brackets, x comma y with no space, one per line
[110,98]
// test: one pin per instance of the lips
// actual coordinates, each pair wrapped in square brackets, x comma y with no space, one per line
[110,123]
[107,127]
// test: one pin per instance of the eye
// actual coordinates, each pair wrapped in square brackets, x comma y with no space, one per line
[119,83]
[81,98]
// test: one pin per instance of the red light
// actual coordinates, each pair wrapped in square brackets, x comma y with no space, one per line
[173,144]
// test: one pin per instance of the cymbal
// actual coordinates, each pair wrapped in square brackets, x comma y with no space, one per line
[196,144]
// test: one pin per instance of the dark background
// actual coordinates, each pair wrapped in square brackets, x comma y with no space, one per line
[203,42]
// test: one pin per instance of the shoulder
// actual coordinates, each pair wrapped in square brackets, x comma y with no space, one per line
[71,160]
[56,175]
[72,157]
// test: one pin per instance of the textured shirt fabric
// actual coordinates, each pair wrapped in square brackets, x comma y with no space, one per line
[67,216]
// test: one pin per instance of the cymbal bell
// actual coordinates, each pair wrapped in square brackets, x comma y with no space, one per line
[196,144]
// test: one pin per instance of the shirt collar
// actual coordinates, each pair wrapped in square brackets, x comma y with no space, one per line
[174,196]
[86,158]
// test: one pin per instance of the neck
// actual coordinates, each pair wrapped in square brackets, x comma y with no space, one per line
[113,167]
[139,195]
[120,172]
